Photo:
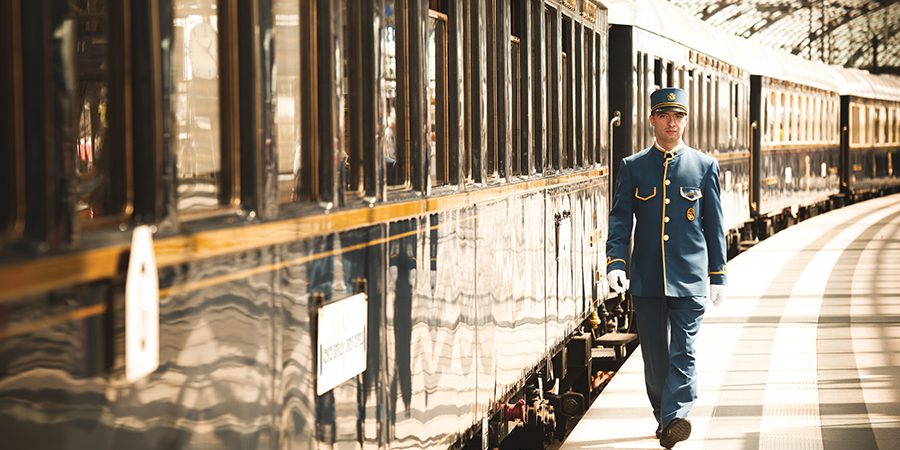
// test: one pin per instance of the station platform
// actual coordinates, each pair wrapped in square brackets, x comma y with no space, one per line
[804,353]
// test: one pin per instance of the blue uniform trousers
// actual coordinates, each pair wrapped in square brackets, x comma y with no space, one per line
[667,327]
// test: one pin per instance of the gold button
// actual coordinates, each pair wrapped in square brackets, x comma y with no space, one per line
[667,201]
[665,237]
[667,220]
[668,182]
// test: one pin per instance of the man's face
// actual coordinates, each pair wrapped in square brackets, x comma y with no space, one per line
[668,126]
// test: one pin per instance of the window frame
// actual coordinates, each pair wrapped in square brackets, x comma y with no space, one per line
[568,59]
[228,193]
[442,158]
[554,80]
[519,159]
[120,110]
[13,199]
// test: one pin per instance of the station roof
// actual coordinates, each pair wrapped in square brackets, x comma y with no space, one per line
[850,33]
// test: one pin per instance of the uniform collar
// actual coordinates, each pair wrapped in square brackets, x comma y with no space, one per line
[669,153]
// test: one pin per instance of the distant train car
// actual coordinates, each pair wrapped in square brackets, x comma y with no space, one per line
[373,224]
[870,133]
[794,106]
[654,44]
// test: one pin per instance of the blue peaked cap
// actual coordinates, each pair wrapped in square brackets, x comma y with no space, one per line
[669,99]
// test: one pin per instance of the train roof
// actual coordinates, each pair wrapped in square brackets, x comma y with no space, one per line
[665,19]
[861,83]
[772,63]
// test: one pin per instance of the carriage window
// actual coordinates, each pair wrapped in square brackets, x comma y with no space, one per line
[101,172]
[294,162]
[538,99]
[204,170]
[576,83]
[646,132]
[358,88]
[723,94]
[700,124]
[709,113]
[437,95]
[568,61]
[602,95]
[833,121]
[764,117]
[638,72]
[12,202]
[735,116]
[896,126]
[590,72]
[657,74]
[792,117]
[784,120]
[893,126]
[809,114]
[855,115]
[890,126]
[517,28]
[769,119]
[788,117]
[869,117]
[670,75]
[878,125]
[822,122]
[804,106]
[691,129]
[825,107]
[494,156]
[551,112]
[780,117]
[818,116]
[810,118]
[393,60]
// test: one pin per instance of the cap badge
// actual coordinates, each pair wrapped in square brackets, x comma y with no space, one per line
[691,214]
[671,96]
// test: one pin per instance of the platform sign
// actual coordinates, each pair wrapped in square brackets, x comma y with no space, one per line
[141,307]
[341,349]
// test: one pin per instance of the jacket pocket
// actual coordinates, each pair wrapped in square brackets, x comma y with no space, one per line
[644,193]
[691,193]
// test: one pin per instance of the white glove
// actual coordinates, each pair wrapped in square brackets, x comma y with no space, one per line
[717,293]
[617,281]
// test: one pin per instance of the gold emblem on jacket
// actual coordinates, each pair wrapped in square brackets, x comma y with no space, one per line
[691,214]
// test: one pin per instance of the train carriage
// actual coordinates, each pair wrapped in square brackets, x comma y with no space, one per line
[794,108]
[373,224]
[870,133]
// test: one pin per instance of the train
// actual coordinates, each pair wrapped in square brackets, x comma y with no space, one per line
[302,224]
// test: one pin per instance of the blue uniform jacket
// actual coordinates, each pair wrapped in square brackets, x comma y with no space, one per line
[679,238]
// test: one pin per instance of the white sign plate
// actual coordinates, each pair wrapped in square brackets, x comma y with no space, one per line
[341,351]
[141,307]
[565,238]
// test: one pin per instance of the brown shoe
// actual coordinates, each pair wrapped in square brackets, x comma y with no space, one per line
[676,431]
[658,431]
